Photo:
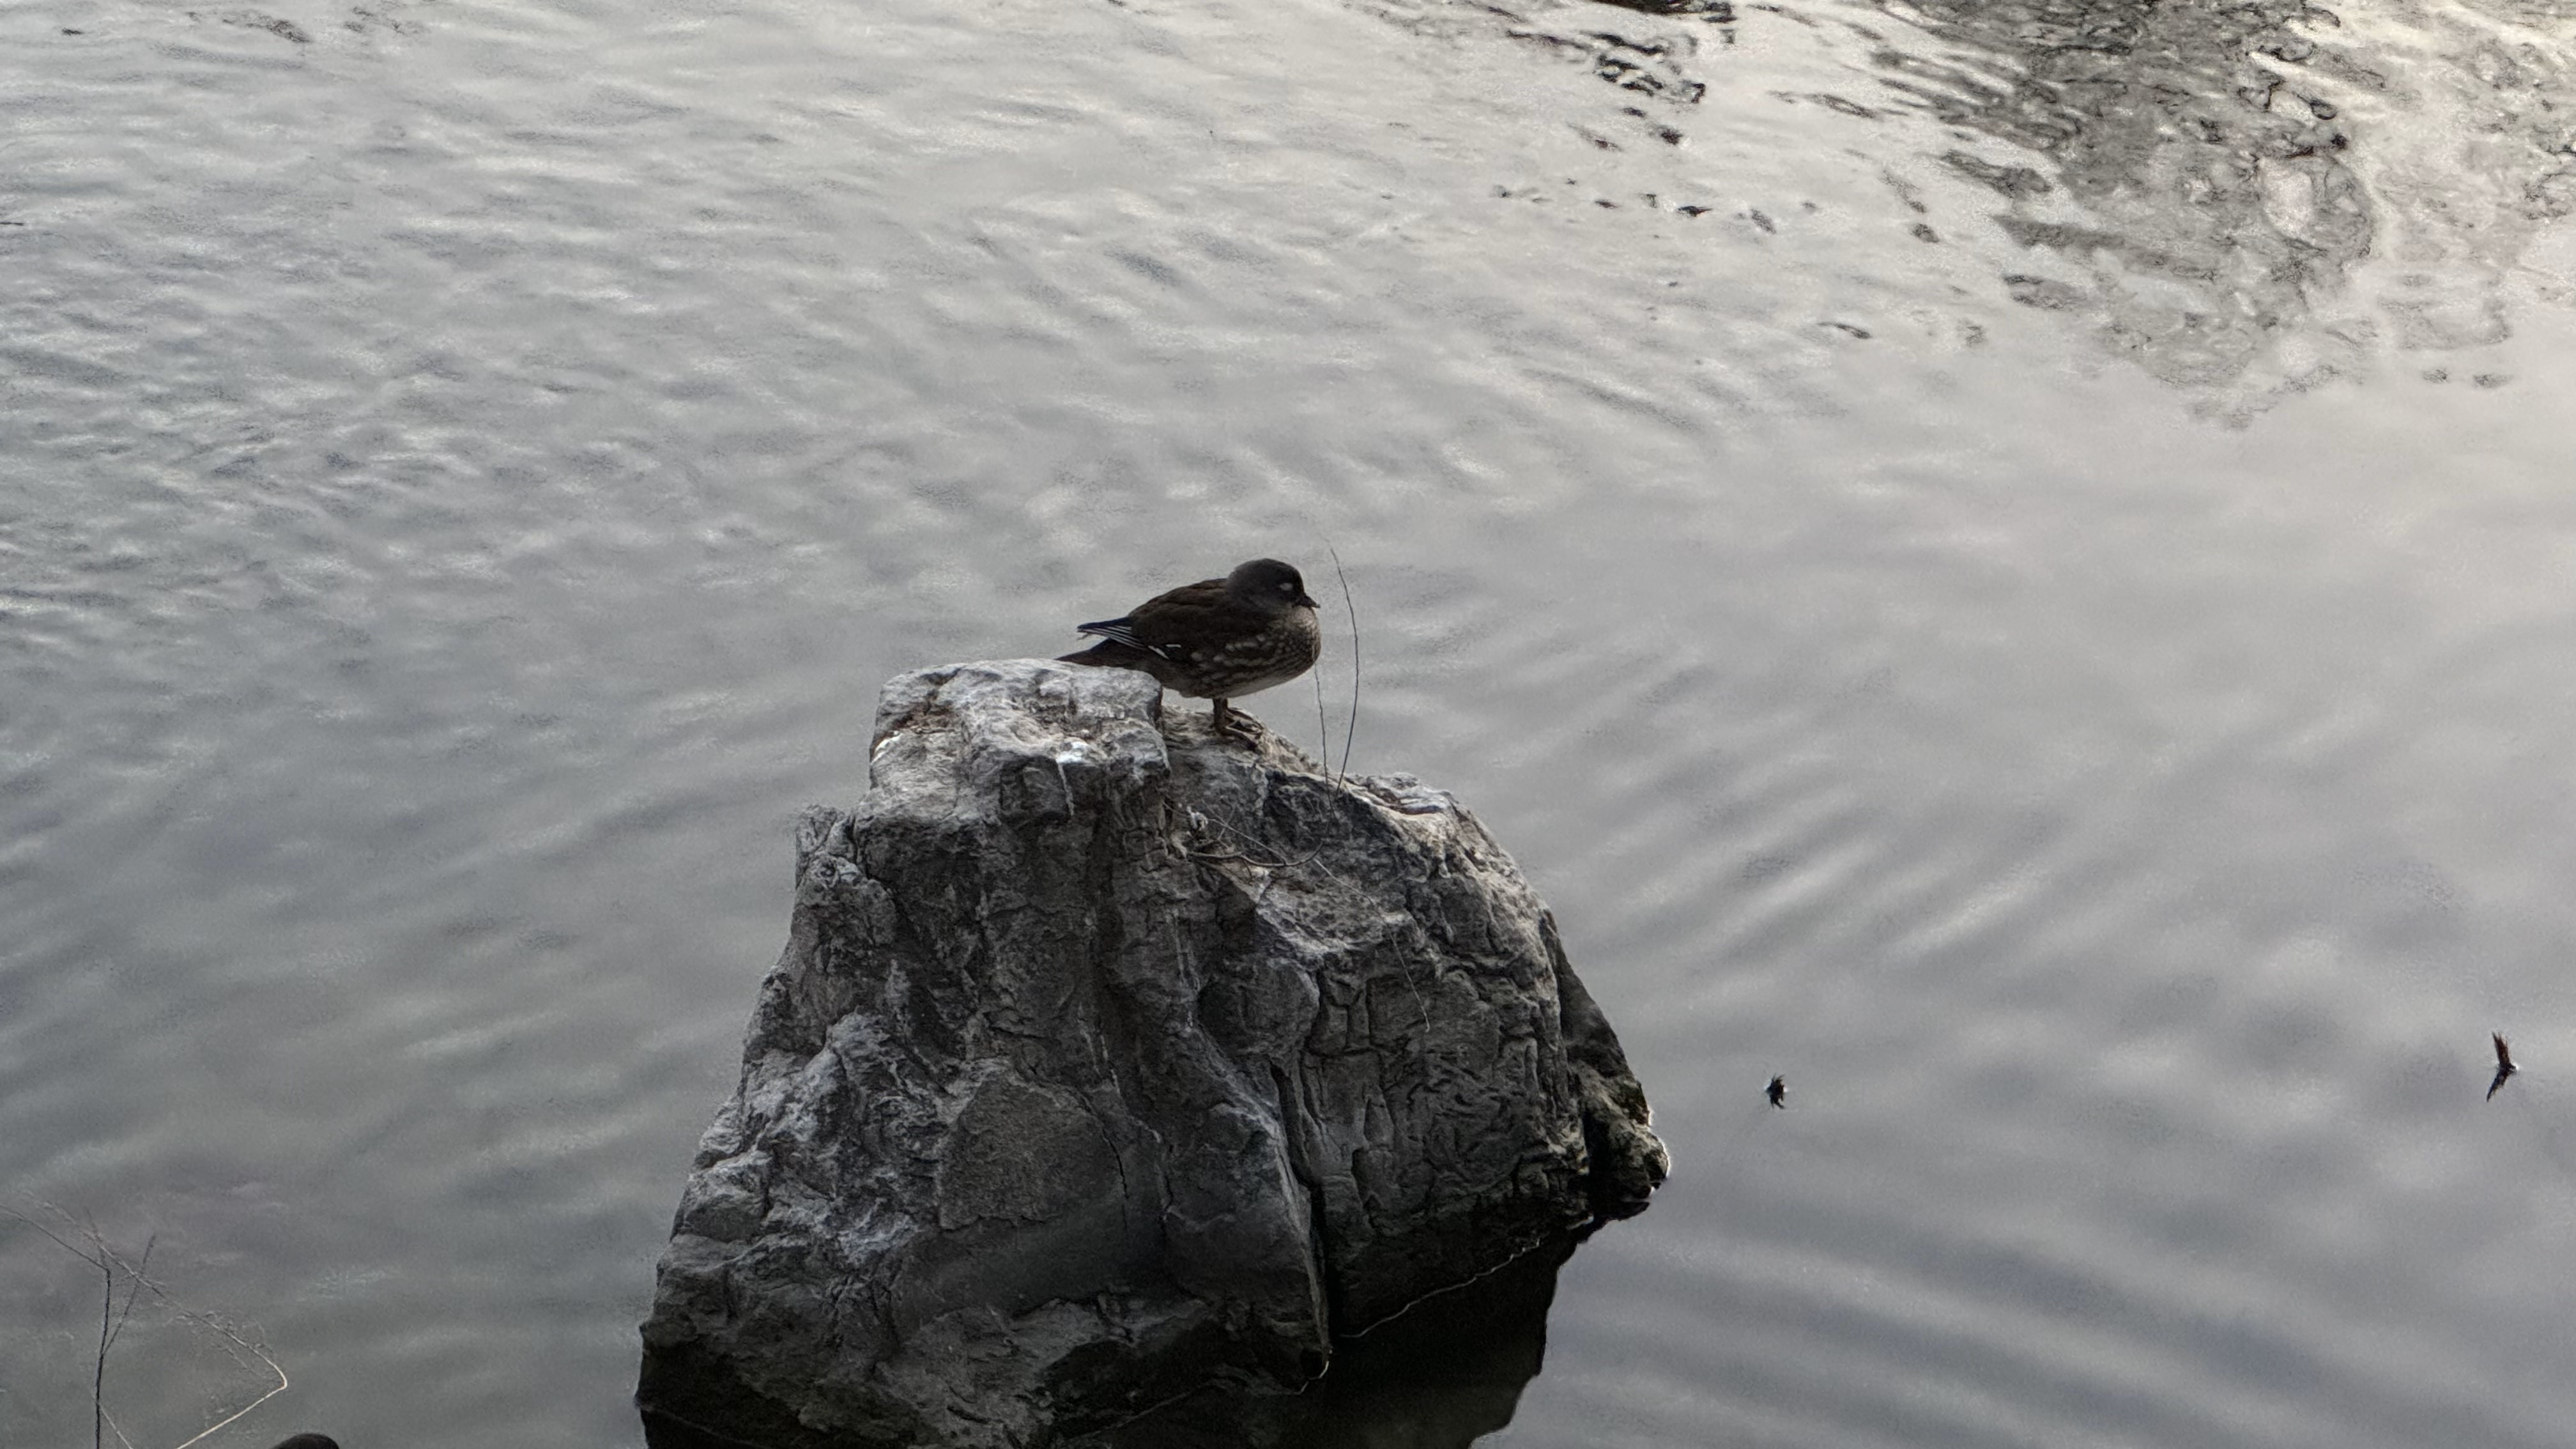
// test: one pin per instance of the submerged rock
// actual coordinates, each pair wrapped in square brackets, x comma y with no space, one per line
[1109,1060]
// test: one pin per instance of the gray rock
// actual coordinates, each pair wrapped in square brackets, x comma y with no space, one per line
[1108,1060]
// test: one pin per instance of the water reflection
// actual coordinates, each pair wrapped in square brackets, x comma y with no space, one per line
[2206,181]
[2243,199]
[1439,1376]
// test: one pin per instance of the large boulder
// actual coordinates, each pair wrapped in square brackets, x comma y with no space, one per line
[1110,1058]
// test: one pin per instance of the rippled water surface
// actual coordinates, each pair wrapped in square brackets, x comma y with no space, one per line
[2013,563]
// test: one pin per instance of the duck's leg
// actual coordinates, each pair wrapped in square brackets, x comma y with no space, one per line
[1229,722]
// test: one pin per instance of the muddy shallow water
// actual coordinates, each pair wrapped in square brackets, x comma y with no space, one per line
[2009,563]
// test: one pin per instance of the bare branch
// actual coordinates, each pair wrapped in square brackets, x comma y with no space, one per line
[48,1232]
[133,1285]
[112,1322]
[257,1352]
[98,1364]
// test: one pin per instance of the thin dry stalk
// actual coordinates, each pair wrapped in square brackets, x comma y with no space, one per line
[112,1321]
[1352,610]
[229,1332]
[96,1258]
[218,1327]
[133,1286]
[1323,729]
[98,1361]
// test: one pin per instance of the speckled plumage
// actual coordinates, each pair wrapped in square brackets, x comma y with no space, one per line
[1217,639]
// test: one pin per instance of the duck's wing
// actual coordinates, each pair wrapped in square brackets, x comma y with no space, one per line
[1170,624]
[2504,1053]
[1116,631]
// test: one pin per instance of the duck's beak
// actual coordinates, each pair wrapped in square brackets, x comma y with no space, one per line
[1305,602]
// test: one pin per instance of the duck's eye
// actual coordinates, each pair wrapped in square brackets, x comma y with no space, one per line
[1286,587]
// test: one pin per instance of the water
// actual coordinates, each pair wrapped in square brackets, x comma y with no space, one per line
[2101,734]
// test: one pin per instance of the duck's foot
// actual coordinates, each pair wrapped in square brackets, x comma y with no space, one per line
[1236,723]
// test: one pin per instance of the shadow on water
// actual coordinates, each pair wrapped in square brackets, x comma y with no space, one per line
[1437,1376]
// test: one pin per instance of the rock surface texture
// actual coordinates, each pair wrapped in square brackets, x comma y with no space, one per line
[1109,1059]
